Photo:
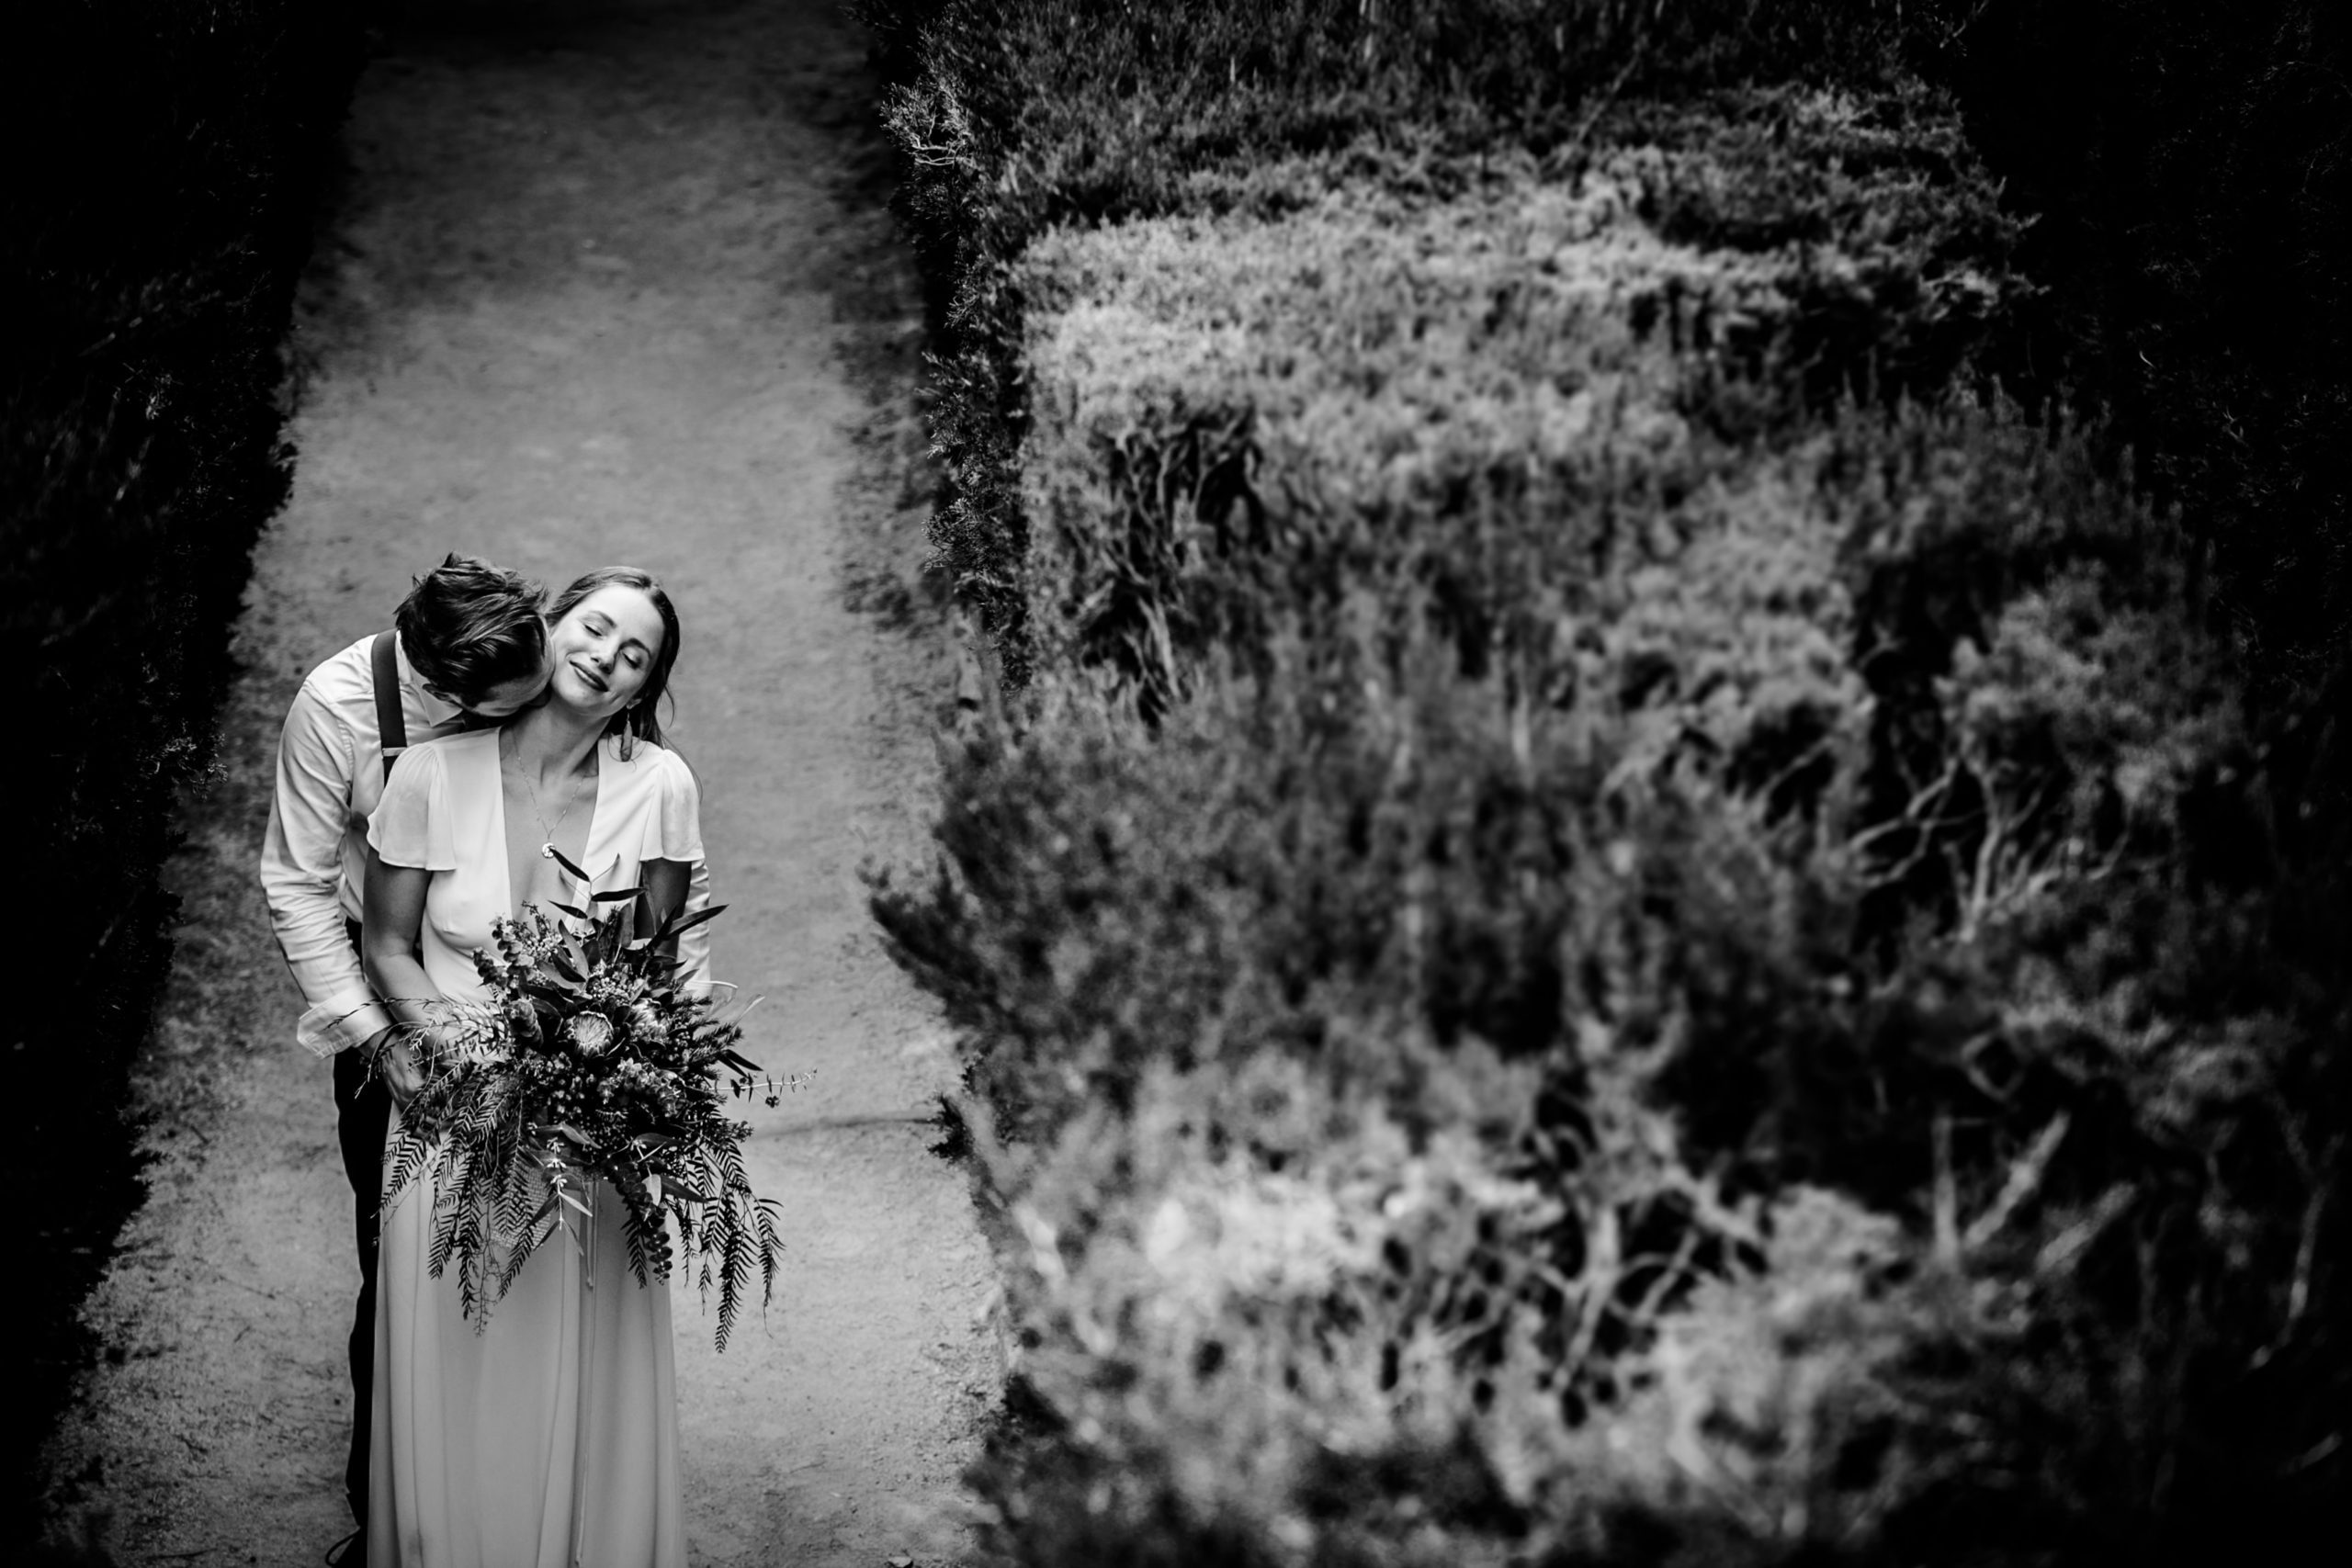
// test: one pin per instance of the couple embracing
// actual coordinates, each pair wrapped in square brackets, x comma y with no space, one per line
[428,778]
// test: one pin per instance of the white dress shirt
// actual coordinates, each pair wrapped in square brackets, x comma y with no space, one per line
[314,854]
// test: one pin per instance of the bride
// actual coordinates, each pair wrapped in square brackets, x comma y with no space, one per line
[550,1438]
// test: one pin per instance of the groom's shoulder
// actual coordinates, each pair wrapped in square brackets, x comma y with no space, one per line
[344,678]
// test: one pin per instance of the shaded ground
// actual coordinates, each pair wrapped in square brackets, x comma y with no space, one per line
[612,283]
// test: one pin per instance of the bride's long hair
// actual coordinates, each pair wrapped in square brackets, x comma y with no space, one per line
[636,720]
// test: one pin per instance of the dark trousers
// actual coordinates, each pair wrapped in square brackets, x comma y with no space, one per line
[363,1109]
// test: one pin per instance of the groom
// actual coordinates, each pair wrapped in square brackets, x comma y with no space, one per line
[469,648]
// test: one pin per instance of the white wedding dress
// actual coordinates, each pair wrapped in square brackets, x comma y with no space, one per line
[550,1438]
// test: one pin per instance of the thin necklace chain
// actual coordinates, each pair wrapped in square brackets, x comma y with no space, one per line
[546,849]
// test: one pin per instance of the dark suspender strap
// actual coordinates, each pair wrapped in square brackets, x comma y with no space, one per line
[392,728]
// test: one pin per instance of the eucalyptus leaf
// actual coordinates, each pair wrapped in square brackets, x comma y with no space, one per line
[691,922]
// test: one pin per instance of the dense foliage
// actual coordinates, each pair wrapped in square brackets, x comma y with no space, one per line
[164,160]
[2186,169]
[1016,117]
[1623,915]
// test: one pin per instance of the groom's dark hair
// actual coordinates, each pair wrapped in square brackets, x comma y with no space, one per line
[467,625]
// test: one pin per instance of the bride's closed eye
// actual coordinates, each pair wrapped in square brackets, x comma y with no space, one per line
[599,627]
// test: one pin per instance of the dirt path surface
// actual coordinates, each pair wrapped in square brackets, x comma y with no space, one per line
[610,283]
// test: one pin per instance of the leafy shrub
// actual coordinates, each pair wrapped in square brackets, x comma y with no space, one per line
[2051,1084]
[158,208]
[1234,387]
[1614,927]
[1014,118]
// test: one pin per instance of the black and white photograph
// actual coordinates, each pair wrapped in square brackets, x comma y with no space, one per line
[1237,784]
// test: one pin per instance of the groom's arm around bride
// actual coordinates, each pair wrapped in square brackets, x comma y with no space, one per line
[469,648]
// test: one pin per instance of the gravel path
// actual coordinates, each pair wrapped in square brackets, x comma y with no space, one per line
[610,283]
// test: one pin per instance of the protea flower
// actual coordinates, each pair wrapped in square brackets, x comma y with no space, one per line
[592,1033]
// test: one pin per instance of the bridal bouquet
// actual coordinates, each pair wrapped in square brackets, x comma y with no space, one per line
[591,1062]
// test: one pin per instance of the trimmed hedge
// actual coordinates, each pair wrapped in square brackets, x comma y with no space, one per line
[1016,117]
[160,204]
[1621,918]
[1221,384]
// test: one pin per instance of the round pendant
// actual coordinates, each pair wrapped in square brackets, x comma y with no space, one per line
[547,851]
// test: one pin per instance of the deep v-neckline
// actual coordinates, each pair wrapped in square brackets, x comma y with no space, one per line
[506,843]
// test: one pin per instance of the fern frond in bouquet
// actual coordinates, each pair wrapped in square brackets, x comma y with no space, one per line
[590,1062]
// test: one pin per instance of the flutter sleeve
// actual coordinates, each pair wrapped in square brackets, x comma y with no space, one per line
[411,825]
[673,825]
